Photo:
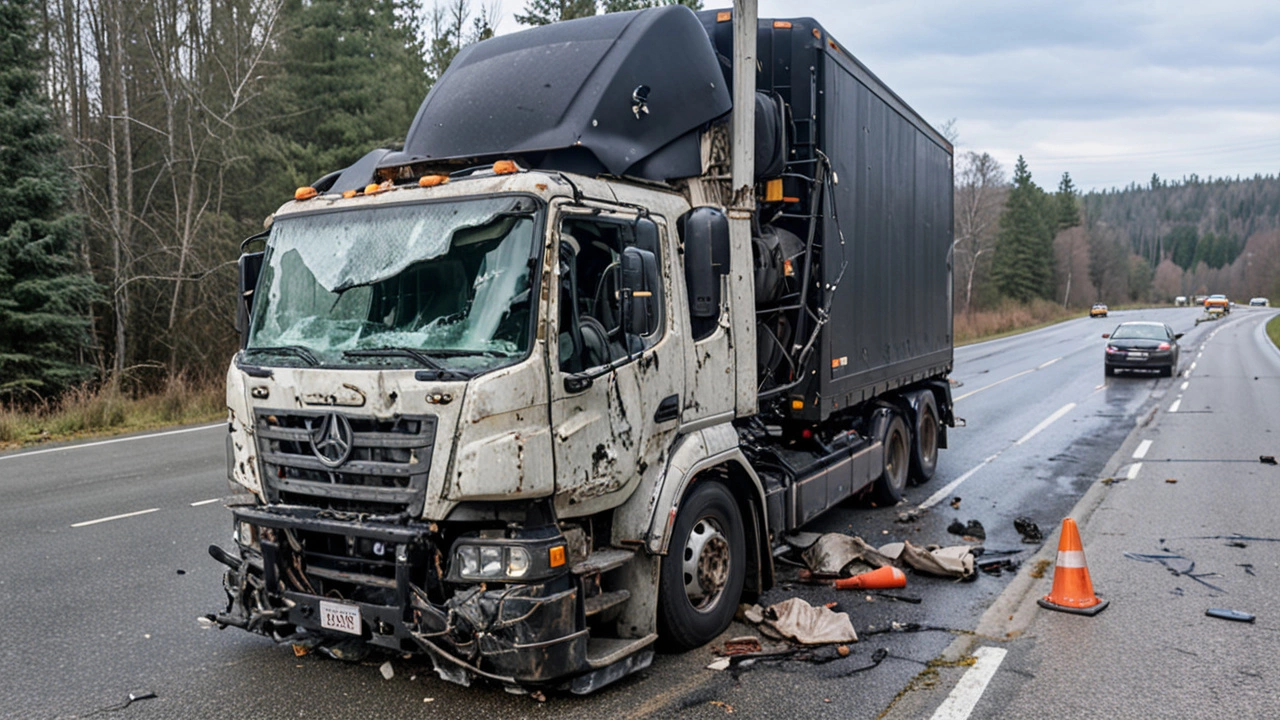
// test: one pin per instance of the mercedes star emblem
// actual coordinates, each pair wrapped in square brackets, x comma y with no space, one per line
[331,439]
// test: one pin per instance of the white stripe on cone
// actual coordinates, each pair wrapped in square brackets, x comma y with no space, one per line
[1071,559]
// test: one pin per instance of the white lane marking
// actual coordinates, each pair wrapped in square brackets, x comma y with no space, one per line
[1186,373]
[1199,354]
[1174,407]
[1134,469]
[1046,423]
[1045,365]
[205,502]
[942,493]
[113,517]
[1193,367]
[965,695]
[111,442]
[1185,384]
[1143,447]
[988,387]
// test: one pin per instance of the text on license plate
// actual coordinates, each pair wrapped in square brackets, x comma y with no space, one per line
[1138,355]
[343,618]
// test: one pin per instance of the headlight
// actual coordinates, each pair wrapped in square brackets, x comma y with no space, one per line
[507,562]
[1112,349]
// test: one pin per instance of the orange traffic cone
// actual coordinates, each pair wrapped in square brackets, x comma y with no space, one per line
[1072,590]
[883,579]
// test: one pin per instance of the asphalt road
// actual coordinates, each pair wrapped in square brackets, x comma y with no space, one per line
[95,611]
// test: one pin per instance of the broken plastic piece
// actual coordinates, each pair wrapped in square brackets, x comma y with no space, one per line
[1267,459]
[147,694]
[1226,614]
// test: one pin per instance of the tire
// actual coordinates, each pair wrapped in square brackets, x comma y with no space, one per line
[924,445]
[1108,371]
[897,461]
[697,595]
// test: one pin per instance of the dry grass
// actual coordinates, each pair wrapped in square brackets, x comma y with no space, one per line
[1009,319]
[88,411]
[1273,332]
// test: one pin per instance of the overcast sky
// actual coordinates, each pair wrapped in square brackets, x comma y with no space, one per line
[1107,90]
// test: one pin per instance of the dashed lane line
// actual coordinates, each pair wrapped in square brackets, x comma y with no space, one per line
[1134,469]
[205,502]
[1174,407]
[1046,422]
[113,517]
[1142,449]
[965,695]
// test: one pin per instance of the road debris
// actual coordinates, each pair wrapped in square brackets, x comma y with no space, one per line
[1248,568]
[796,620]
[913,599]
[1171,480]
[1168,559]
[1028,529]
[972,531]
[1267,459]
[956,561]
[387,671]
[839,554]
[741,646]
[909,516]
[955,503]
[884,578]
[1226,614]
[722,705]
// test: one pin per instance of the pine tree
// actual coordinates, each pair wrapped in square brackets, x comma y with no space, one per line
[1068,207]
[1023,264]
[612,6]
[44,293]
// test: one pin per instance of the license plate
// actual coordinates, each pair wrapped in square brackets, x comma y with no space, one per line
[343,618]
[1137,356]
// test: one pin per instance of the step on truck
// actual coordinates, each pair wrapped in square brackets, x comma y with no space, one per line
[544,389]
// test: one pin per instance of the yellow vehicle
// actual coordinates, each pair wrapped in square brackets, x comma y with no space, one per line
[1220,303]
[1098,310]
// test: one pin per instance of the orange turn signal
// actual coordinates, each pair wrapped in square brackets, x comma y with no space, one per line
[555,557]
[797,404]
[305,193]
[782,24]
[432,180]
[773,190]
[505,167]
[724,16]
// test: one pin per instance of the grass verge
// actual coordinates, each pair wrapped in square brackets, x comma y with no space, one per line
[85,412]
[1273,330]
[1010,318]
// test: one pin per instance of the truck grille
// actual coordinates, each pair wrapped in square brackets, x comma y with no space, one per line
[385,472]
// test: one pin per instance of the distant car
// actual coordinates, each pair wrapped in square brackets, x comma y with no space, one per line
[1217,301]
[1180,301]
[1098,310]
[1142,346]
[1259,302]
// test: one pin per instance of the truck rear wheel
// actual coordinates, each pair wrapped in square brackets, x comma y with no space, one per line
[897,451]
[924,448]
[704,570]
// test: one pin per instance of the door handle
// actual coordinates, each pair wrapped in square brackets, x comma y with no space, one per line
[668,409]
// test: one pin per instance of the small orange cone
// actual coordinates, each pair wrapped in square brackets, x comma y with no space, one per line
[883,579]
[1072,590]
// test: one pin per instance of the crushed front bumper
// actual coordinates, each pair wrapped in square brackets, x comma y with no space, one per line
[391,576]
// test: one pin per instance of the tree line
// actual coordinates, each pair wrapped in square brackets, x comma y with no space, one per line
[1148,243]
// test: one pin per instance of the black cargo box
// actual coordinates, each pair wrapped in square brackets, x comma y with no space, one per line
[890,315]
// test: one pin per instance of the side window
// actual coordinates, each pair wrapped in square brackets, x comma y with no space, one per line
[608,270]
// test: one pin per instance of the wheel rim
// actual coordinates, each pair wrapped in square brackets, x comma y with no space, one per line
[706,564]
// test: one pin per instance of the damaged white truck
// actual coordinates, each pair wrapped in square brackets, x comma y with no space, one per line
[547,386]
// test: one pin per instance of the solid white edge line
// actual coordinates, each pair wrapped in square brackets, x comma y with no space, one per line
[1045,365]
[205,502]
[1143,447]
[1174,407]
[1046,423]
[937,497]
[965,695]
[1134,469]
[988,387]
[113,517]
[111,442]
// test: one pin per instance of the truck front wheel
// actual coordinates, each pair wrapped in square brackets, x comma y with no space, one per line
[897,444]
[704,570]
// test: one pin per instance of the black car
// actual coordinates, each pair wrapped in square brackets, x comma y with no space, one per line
[1142,346]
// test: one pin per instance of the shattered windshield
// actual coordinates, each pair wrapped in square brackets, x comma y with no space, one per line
[440,285]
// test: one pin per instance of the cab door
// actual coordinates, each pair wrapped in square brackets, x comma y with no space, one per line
[616,384]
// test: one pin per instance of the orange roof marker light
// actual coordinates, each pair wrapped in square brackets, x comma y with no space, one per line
[505,167]
[724,16]
[817,33]
[432,180]
[782,24]
[305,193]
[375,188]
[349,193]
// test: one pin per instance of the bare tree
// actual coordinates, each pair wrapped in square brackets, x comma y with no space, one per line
[980,191]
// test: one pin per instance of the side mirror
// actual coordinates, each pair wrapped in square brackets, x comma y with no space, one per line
[1177,336]
[250,267]
[705,232]
[640,291]
[1106,335]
